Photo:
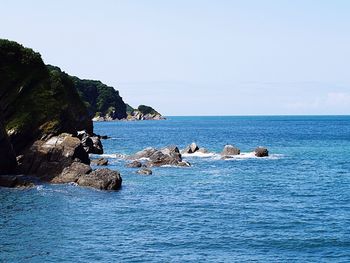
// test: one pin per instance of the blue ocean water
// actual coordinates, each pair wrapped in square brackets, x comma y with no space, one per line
[291,207]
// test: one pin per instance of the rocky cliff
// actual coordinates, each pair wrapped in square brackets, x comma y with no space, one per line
[36,101]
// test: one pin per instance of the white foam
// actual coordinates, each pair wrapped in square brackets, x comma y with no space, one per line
[199,154]
[112,156]
[242,156]
[251,155]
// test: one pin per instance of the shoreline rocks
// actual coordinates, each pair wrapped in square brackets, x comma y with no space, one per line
[100,162]
[261,152]
[169,155]
[145,171]
[103,179]
[229,151]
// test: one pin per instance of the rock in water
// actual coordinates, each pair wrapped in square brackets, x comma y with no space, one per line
[47,159]
[230,150]
[91,144]
[134,164]
[146,153]
[145,171]
[103,179]
[192,148]
[8,161]
[100,162]
[72,173]
[167,156]
[261,152]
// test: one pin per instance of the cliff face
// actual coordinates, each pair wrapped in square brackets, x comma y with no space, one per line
[8,157]
[101,100]
[36,101]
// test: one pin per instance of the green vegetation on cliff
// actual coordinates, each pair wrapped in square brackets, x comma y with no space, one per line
[147,110]
[100,99]
[34,100]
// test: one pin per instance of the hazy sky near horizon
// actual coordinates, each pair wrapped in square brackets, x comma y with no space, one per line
[198,57]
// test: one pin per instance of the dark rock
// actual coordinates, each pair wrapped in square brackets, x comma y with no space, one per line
[47,159]
[97,145]
[72,173]
[230,150]
[261,152]
[167,156]
[192,148]
[17,181]
[104,137]
[134,164]
[100,161]
[103,179]
[145,171]
[184,164]
[8,161]
[91,144]
[8,180]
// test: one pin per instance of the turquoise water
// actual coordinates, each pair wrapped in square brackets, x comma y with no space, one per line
[291,207]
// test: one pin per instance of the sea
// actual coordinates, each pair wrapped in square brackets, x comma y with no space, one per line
[293,206]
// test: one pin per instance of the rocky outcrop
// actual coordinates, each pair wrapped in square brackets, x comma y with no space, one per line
[145,153]
[145,171]
[192,148]
[91,144]
[230,150]
[8,161]
[72,173]
[103,179]
[261,152]
[47,159]
[167,156]
[143,113]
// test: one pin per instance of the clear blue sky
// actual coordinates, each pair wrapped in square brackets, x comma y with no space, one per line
[189,57]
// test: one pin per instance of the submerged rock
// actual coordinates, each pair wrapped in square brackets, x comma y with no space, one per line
[145,171]
[261,152]
[230,150]
[103,179]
